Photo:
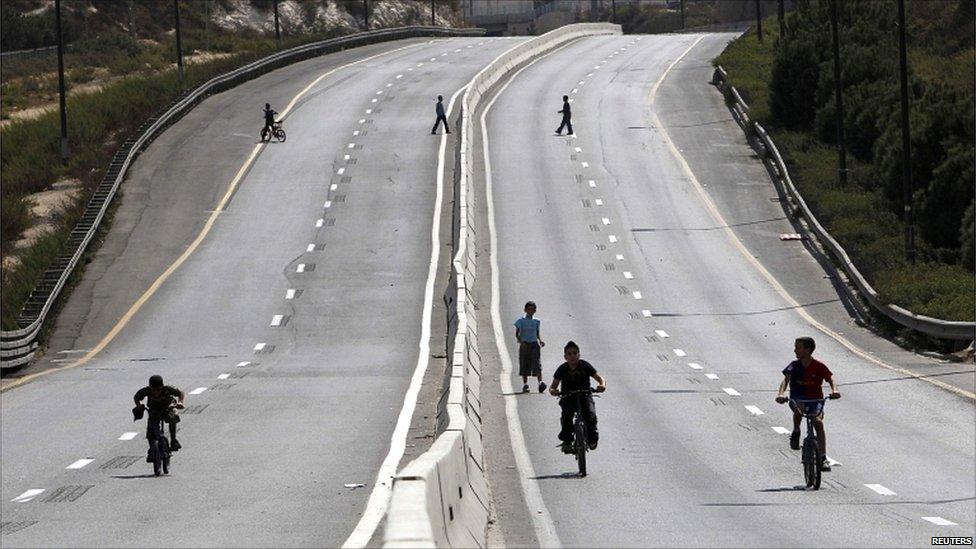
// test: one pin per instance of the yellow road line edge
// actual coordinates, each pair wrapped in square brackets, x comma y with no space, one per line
[196,242]
[713,210]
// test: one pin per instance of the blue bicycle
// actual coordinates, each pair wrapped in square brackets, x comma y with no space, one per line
[810,454]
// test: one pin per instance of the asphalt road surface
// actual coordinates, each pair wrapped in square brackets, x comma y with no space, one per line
[688,306]
[294,325]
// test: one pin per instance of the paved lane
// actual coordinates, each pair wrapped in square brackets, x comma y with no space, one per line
[296,320]
[606,232]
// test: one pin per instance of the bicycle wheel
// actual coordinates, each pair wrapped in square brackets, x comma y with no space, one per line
[810,468]
[157,457]
[580,440]
[816,469]
[280,134]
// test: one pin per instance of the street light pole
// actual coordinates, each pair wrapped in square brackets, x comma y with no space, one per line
[838,97]
[366,13]
[432,23]
[179,43]
[682,5]
[782,20]
[277,26]
[906,145]
[63,105]
[759,19]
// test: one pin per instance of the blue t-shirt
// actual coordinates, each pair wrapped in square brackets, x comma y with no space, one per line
[528,329]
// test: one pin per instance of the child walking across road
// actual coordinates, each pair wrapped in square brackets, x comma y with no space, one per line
[530,342]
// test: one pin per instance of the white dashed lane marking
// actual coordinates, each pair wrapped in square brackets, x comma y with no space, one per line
[80,463]
[939,521]
[662,334]
[340,171]
[346,157]
[198,390]
[628,275]
[319,223]
[711,376]
[646,313]
[373,100]
[399,76]
[620,257]
[598,202]
[781,430]
[679,352]
[276,320]
[694,366]
[579,150]
[300,268]
[28,495]
[612,238]
[310,248]
[128,436]
[638,295]
[351,146]
[881,490]
[244,364]
[223,376]
[731,392]
[592,184]
[585,164]
[260,346]
[328,204]
[369,111]
[754,410]
[290,294]
[606,220]
[333,187]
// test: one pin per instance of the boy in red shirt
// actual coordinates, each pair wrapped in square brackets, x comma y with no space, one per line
[805,376]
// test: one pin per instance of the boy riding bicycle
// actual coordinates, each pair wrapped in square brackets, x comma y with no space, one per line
[805,376]
[574,375]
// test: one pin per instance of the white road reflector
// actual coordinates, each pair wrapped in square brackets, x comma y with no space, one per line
[754,410]
[128,436]
[694,366]
[731,392]
[80,463]
[679,352]
[939,521]
[28,495]
[276,320]
[781,430]
[881,490]
[198,390]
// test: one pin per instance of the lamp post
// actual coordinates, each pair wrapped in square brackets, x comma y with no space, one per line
[179,44]
[432,23]
[366,13]
[277,26]
[61,101]
[682,7]
[759,20]
[906,145]
[838,97]
[782,20]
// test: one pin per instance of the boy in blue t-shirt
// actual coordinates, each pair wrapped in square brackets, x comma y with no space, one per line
[530,347]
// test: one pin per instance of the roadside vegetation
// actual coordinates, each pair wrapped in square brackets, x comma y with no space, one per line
[126,51]
[789,86]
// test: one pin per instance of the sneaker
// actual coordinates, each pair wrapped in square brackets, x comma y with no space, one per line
[824,465]
[175,446]
[433,133]
[593,445]
[542,387]
[795,440]
[525,388]
[569,133]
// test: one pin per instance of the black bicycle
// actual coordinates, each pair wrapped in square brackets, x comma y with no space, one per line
[159,452]
[810,454]
[276,131]
[579,427]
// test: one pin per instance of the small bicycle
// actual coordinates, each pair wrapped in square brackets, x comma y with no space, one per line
[810,454]
[579,427]
[159,453]
[276,131]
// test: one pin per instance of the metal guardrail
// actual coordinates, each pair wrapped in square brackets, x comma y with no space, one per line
[17,347]
[945,329]
[46,51]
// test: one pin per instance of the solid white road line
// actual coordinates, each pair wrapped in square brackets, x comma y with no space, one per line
[694,366]
[128,436]
[754,410]
[379,498]
[198,390]
[545,529]
[881,490]
[80,463]
[737,243]
[939,521]
[781,430]
[731,392]
[28,495]
[276,320]
[662,334]
[260,346]
[223,376]
[290,294]
[679,352]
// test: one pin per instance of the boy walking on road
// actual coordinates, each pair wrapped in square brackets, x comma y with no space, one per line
[441,117]
[567,115]
[530,342]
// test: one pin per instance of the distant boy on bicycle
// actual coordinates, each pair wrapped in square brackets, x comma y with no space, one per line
[805,376]
[269,120]
[574,375]
[162,402]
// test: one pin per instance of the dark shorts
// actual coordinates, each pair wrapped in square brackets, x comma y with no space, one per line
[808,408]
[529,362]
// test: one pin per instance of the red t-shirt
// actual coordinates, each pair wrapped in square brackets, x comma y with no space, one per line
[807,382]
